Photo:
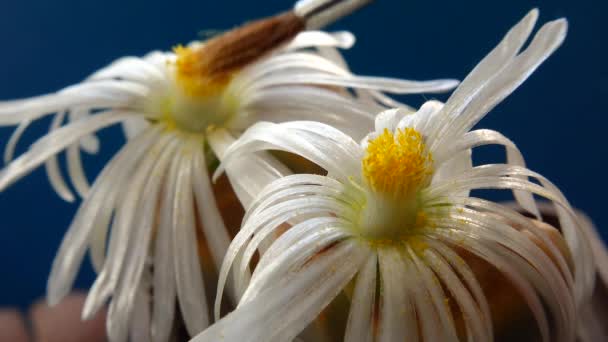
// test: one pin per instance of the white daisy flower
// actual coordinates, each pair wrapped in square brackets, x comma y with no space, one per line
[181,110]
[389,225]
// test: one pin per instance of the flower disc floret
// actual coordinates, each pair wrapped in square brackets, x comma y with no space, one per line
[397,164]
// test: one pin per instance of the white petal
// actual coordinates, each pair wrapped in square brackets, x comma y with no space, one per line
[277,69]
[359,327]
[546,41]
[163,310]
[590,309]
[389,119]
[469,278]
[129,285]
[334,55]
[460,163]
[76,170]
[124,236]
[308,39]
[434,298]
[102,195]
[500,176]
[90,143]
[52,167]
[326,186]
[140,328]
[397,314]
[54,142]
[424,119]
[600,252]
[188,274]
[525,288]
[315,104]
[285,308]
[128,68]
[322,232]
[497,59]
[248,174]
[9,150]
[133,126]
[484,137]
[327,153]
[280,213]
[103,94]
[213,226]
[515,219]
[250,228]
[389,85]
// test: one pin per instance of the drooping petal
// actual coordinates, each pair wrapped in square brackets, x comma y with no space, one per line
[438,324]
[123,234]
[267,136]
[397,313]
[478,324]
[500,176]
[52,167]
[188,275]
[76,170]
[11,145]
[282,310]
[212,223]
[55,142]
[555,286]
[125,296]
[281,213]
[133,126]
[76,240]
[163,281]
[514,157]
[359,327]
[104,94]
[249,173]
[323,232]
[90,143]
[140,329]
[524,287]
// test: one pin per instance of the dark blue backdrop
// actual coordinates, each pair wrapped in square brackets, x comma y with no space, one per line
[556,118]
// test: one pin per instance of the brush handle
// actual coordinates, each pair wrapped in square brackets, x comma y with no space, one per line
[320,13]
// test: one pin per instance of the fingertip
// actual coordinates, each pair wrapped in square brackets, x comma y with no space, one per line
[62,322]
[12,326]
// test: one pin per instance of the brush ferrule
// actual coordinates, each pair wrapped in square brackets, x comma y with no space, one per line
[320,13]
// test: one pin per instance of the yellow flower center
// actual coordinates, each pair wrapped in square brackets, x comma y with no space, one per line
[397,164]
[197,99]
[194,74]
[395,168]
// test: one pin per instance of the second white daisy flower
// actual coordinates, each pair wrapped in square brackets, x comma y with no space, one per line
[181,111]
[392,215]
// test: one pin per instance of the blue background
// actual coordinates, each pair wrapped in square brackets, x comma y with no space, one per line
[556,118]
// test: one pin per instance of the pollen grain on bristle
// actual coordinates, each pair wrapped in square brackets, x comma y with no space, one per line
[397,164]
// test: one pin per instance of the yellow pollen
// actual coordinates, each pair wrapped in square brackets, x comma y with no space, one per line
[193,74]
[397,164]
